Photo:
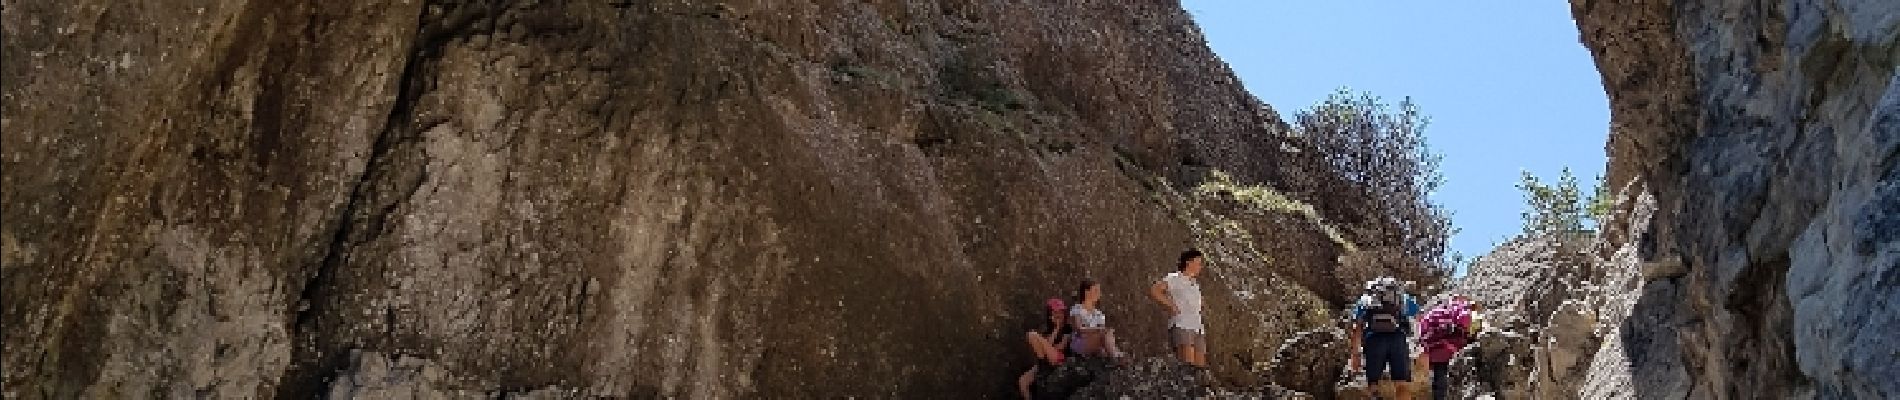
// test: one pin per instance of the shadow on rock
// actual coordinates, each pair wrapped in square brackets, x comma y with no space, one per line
[1149,378]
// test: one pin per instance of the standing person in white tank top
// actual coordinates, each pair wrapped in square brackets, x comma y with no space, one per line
[1180,293]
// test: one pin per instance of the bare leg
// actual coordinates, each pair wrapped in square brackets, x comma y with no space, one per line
[1043,349]
[1114,351]
[1044,352]
[1023,382]
[1190,353]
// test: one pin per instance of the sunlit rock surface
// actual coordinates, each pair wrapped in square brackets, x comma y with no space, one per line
[831,199]
[631,199]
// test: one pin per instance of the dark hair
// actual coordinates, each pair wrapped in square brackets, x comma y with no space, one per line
[1052,326]
[1186,256]
[1082,292]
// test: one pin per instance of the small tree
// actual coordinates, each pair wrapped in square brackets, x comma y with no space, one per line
[1378,175]
[1560,214]
[1553,208]
[1601,203]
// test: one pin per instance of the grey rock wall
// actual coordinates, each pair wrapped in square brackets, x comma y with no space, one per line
[1763,129]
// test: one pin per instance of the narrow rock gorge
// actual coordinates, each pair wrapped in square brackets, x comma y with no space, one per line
[826,199]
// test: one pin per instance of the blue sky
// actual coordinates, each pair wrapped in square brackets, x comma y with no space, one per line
[1506,83]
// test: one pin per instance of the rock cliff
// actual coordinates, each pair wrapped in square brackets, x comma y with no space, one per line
[830,198]
[682,199]
[1558,309]
[1756,249]
[1768,133]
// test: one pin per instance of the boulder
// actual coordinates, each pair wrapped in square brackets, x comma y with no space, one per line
[1311,362]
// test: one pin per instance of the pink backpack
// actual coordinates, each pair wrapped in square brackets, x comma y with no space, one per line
[1446,326]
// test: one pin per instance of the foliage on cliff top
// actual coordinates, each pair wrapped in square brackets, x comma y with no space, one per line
[1379,174]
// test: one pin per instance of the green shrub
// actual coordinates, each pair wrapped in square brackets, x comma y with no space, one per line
[1377,174]
[1561,207]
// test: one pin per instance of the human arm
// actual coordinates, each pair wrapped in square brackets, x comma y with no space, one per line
[1075,319]
[1354,335]
[1159,292]
[1473,324]
[1413,314]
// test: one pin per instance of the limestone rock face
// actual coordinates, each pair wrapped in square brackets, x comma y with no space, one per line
[1269,305]
[1312,361]
[1536,324]
[631,199]
[1499,365]
[371,375]
[1767,133]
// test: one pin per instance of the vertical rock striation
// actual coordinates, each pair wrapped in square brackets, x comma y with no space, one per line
[1766,133]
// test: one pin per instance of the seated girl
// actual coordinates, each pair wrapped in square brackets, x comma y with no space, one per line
[1092,335]
[1046,342]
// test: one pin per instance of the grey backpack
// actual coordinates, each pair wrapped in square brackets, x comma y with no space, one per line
[1386,312]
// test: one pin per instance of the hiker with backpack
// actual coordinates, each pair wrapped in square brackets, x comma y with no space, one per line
[1447,329]
[1382,321]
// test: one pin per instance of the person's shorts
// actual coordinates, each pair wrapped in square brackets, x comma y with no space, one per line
[1387,349]
[1188,337]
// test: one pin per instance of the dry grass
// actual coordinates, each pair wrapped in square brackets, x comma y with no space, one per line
[1265,198]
